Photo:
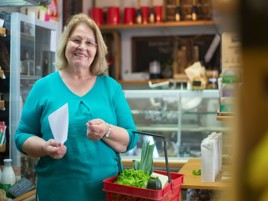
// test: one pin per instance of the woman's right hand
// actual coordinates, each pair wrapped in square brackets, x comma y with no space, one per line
[54,149]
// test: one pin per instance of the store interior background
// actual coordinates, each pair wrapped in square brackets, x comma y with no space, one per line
[134,80]
[164,111]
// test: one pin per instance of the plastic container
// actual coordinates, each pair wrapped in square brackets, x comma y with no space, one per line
[171,192]
[8,175]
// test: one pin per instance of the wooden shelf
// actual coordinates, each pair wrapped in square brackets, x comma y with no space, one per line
[158,164]
[142,81]
[154,81]
[224,118]
[158,25]
[28,195]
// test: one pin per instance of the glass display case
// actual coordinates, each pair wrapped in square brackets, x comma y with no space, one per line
[184,117]
[31,45]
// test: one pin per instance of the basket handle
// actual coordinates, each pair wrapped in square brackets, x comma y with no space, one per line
[165,149]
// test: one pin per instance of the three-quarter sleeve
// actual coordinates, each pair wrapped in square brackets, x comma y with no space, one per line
[124,117]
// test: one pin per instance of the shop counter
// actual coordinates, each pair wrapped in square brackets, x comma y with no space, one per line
[192,181]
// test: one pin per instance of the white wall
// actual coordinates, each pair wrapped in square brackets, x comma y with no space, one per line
[87,4]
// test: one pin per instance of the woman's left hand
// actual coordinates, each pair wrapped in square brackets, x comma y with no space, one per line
[54,149]
[96,129]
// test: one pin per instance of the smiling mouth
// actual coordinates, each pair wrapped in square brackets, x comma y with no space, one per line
[80,55]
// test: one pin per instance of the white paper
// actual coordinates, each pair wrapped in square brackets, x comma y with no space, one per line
[59,121]
[2,23]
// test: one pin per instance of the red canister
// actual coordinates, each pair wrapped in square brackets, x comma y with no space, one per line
[145,14]
[158,10]
[97,15]
[113,15]
[129,15]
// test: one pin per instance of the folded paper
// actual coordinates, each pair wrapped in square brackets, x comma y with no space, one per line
[58,122]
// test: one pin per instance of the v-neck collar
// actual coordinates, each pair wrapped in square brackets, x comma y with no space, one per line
[70,91]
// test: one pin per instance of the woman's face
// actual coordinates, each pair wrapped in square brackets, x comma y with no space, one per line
[81,47]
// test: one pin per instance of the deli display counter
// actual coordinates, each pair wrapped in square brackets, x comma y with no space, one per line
[184,117]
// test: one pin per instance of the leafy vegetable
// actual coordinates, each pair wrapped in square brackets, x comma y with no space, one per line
[139,175]
[131,177]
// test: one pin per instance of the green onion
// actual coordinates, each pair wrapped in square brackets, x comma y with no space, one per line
[146,161]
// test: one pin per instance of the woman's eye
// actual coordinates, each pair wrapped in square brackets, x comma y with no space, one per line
[89,43]
[77,41]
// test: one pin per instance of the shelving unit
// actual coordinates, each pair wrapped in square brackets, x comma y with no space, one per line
[122,30]
[113,33]
[29,42]
[107,27]
[4,94]
[203,8]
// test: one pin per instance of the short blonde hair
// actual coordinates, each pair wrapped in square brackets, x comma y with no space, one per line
[99,65]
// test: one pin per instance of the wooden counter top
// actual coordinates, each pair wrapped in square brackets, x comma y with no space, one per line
[194,181]
[158,163]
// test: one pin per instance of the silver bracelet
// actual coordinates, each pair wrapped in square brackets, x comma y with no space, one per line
[109,131]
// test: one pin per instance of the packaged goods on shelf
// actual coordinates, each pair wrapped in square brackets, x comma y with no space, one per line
[227,104]
[231,76]
[228,88]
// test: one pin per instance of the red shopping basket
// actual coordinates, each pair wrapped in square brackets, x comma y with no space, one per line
[171,192]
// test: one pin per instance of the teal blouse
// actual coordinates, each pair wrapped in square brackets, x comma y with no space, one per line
[80,173]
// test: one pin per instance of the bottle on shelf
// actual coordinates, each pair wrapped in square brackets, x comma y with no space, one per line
[151,12]
[8,175]
[178,11]
[139,13]
[155,69]
[2,74]
[194,11]
[2,103]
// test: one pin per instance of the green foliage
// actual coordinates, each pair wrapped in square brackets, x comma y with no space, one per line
[139,175]
[131,177]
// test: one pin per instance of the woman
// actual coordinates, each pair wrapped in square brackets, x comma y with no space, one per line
[100,120]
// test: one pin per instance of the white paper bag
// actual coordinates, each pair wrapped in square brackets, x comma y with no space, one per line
[211,152]
[208,160]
